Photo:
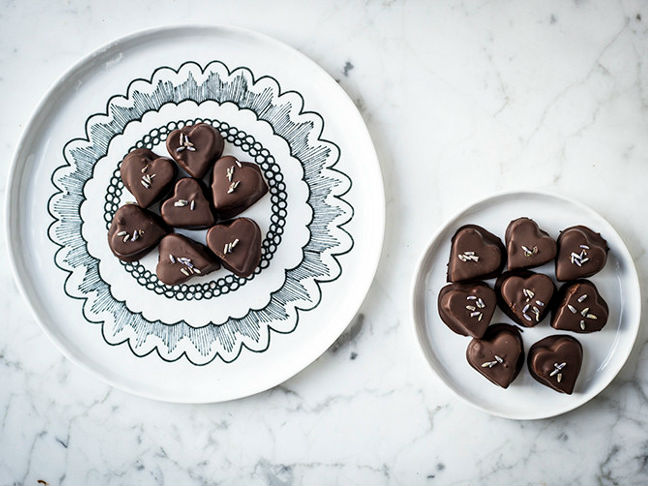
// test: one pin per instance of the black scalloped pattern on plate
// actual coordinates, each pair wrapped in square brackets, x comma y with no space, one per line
[278,198]
[302,131]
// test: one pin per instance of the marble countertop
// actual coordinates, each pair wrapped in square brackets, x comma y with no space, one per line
[508,94]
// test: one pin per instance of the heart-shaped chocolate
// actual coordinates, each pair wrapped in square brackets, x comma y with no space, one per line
[467,308]
[580,308]
[555,361]
[498,355]
[236,186]
[527,246]
[581,253]
[188,207]
[237,244]
[181,259]
[134,231]
[475,253]
[525,296]
[147,176]
[195,148]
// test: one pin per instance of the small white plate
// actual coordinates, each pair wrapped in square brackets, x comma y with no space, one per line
[604,352]
[217,337]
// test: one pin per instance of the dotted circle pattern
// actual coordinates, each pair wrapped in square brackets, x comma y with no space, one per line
[278,198]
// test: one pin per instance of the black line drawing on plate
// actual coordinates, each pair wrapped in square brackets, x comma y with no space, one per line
[329,239]
[223,285]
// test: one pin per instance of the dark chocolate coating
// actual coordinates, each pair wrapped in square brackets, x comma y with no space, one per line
[134,232]
[235,193]
[499,355]
[189,206]
[555,361]
[475,254]
[147,176]
[195,148]
[525,296]
[181,259]
[581,253]
[467,308]
[527,246]
[579,308]
[243,237]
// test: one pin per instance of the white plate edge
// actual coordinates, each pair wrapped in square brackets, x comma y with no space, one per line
[15,171]
[415,289]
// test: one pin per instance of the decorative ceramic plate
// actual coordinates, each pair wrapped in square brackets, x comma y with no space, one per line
[604,352]
[218,336]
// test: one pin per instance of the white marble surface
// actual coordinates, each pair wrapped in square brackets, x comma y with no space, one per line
[491,95]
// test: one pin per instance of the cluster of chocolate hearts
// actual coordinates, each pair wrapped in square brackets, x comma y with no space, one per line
[467,304]
[234,186]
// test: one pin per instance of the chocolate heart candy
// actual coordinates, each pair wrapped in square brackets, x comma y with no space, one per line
[581,253]
[555,361]
[475,253]
[236,186]
[146,175]
[188,207]
[580,308]
[181,259]
[499,355]
[195,148]
[134,231]
[525,296]
[527,246]
[237,244]
[467,308]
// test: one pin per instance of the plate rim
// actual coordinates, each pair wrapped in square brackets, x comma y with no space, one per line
[416,288]
[15,177]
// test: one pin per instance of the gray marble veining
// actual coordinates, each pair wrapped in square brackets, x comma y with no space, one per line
[462,99]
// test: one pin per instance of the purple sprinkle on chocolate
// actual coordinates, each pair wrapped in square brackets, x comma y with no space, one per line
[557,368]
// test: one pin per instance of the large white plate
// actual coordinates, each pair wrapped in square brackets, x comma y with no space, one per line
[218,337]
[604,352]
